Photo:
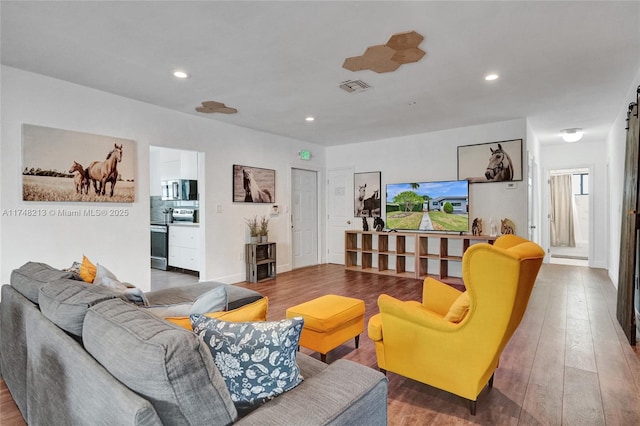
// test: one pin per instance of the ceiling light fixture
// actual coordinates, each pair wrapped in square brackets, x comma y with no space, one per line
[491,77]
[572,135]
[181,74]
[310,118]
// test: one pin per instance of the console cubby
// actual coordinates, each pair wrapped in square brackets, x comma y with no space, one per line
[410,255]
[380,252]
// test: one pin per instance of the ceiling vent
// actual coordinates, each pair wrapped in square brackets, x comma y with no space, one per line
[354,86]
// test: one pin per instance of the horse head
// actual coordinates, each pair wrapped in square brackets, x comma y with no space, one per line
[117,151]
[75,167]
[507,226]
[361,190]
[496,168]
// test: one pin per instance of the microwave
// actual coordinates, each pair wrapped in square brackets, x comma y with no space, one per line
[180,189]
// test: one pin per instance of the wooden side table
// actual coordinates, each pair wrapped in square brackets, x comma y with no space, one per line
[261,261]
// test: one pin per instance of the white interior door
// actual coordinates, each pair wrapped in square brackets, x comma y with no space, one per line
[339,211]
[304,217]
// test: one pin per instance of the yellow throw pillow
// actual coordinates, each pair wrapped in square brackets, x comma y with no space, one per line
[256,311]
[87,270]
[459,309]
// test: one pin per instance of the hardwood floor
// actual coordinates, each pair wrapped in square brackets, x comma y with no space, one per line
[568,363]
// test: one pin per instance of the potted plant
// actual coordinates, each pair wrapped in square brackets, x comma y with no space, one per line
[254,228]
[264,229]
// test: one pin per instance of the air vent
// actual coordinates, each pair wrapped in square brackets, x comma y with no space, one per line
[354,86]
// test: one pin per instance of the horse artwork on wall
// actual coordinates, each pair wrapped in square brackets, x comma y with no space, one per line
[491,162]
[64,165]
[253,185]
[367,194]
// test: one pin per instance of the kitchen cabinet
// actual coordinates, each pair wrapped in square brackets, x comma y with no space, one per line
[184,247]
[155,189]
[178,164]
[167,164]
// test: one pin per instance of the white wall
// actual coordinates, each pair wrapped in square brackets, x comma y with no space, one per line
[434,156]
[616,149]
[122,244]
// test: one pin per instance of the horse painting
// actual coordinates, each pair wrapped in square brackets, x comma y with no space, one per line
[81,180]
[253,190]
[101,172]
[500,166]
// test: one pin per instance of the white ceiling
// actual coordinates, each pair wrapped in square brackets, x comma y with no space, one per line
[561,64]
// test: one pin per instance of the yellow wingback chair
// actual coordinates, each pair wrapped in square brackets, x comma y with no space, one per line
[453,340]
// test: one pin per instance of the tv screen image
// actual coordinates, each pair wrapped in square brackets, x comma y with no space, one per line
[428,206]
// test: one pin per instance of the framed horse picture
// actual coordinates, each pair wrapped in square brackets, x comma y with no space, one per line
[64,165]
[367,194]
[253,185]
[491,162]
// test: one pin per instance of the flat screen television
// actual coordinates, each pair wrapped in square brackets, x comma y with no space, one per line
[428,206]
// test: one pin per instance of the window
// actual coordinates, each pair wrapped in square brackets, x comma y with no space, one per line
[581,184]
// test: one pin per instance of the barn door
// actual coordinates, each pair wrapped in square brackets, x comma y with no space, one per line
[627,279]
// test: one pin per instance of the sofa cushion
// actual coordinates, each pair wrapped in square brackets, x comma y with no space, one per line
[459,308]
[65,302]
[28,278]
[167,365]
[256,359]
[256,311]
[236,296]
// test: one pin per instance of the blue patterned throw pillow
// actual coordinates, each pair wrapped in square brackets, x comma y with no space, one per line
[256,359]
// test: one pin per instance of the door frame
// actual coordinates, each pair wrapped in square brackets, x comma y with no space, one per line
[546,208]
[320,206]
[350,170]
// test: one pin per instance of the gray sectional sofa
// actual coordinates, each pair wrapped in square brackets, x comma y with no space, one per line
[77,354]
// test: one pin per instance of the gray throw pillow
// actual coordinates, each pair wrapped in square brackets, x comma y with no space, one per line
[214,300]
[128,292]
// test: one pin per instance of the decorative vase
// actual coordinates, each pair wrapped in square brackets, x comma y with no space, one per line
[263,238]
[254,239]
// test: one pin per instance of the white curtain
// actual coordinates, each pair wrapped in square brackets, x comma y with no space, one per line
[562,233]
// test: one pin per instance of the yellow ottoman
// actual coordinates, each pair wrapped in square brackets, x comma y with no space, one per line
[329,321]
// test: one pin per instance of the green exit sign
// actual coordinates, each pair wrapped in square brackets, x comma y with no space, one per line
[305,154]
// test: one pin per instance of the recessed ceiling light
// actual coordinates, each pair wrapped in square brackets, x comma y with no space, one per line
[310,118]
[181,74]
[491,77]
